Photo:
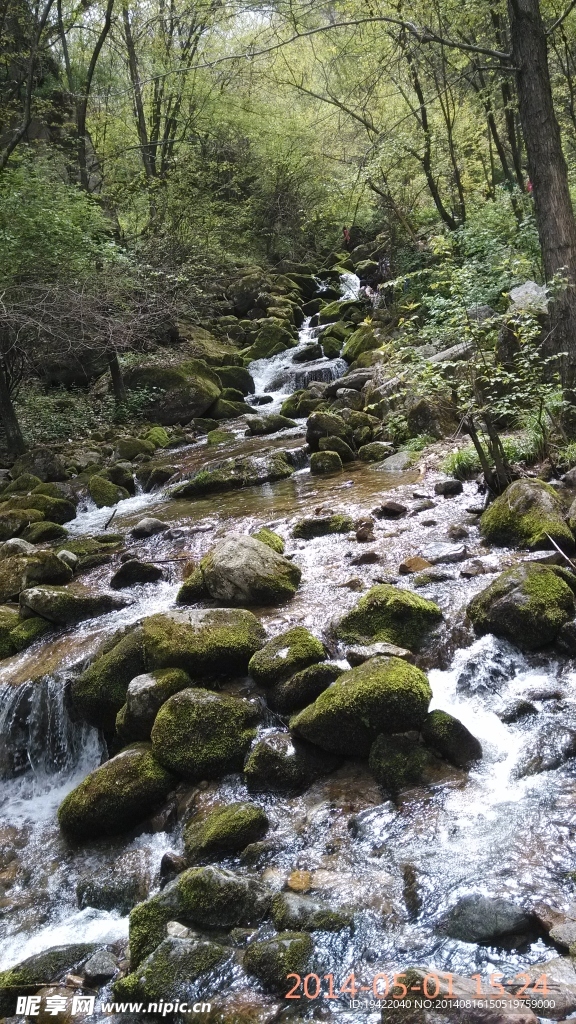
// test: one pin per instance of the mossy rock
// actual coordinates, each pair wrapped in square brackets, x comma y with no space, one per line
[192,589]
[40,970]
[336,444]
[157,436]
[529,514]
[375,451]
[18,572]
[9,620]
[14,521]
[122,475]
[286,654]
[22,484]
[280,763]
[98,693]
[104,493]
[326,424]
[271,339]
[273,960]
[115,797]
[398,761]
[43,533]
[451,739]
[527,605]
[301,404]
[57,510]
[235,473]
[236,377]
[273,540]
[323,526]
[203,735]
[206,643]
[167,974]
[362,340]
[134,572]
[224,830]
[219,436]
[339,310]
[389,614]
[383,695]
[28,632]
[292,911]
[226,409]
[144,697]
[92,551]
[128,448]
[178,394]
[323,463]
[65,606]
[258,426]
[202,345]
[303,688]
[232,395]
[240,570]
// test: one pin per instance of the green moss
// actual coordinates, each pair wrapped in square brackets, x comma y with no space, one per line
[148,927]
[286,654]
[27,632]
[322,463]
[280,763]
[192,589]
[206,644]
[303,687]
[274,959]
[338,445]
[116,796]
[258,426]
[527,515]
[236,377]
[144,699]
[338,310]
[168,972]
[228,409]
[291,912]
[9,620]
[39,970]
[362,340]
[23,484]
[219,436]
[127,448]
[224,830]
[301,404]
[93,551]
[376,451]
[203,735]
[383,695]
[389,614]
[105,494]
[322,526]
[235,473]
[273,540]
[42,533]
[398,761]
[158,437]
[99,693]
[451,739]
[527,604]
[56,510]
[13,522]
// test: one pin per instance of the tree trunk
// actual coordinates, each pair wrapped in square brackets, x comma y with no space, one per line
[118,386]
[14,439]
[548,173]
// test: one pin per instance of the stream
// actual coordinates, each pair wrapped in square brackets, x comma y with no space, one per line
[493,830]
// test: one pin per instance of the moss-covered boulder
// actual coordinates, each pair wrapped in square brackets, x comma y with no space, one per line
[323,526]
[273,960]
[229,409]
[389,614]
[170,970]
[57,510]
[9,620]
[451,739]
[219,437]
[240,570]
[527,515]
[144,697]
[192,589]
[302,688]
[104,493]
[208,897]
[115,797]
[128,448]
[273,540]
[301,404]
[203,735]
[261,425]
[336,444]
[375,451]
[17,572]
[133,572]
[40,970]
[224,830]
[340,310]
[527,605]
[237,377]
[14,521]
[383,695]
[323,463]
[362,340]
[28,632]
[207,643]
[65,606]
[286,654]
[281,763]
[157,436]
[398,761]
[98,693]
[325,424]
[23,484]
[176,394]
[292,911]
[94,551]
[44,463]
[235,473]
[43,533]
[273,337]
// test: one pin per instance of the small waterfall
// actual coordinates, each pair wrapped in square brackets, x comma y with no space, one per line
[324,372]
[350,285]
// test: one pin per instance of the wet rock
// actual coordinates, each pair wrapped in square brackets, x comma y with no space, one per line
[448,488]
[322,463]
[104,493]
[365,531]
[325,424]
[517,710]
[383,695]
[451,739]
[153,477]
[390,510]
[440,553]
[338,445]
[148,527]
[203,735]
[477,918]
[280,763]
[14,521]
[115,797]
[224,830]
[236,377]
[240,570]
[43,533]
[375,451]
[303,687]
[322,526]
[260,425]
[144,697]
[366,558]
[273,540]
[416,563]
[122,475]
[294,912]
[527,514]
[285,655]
[364,339]
[391,615]
[100,968]
[488,671]
[40,462]
[272,960]
[208,897]
[172,864]
[560,973]
[456,531]
[552,747]
[235,473]
[397,463]
[527,604]
[65,606]
[398,761]
[16,546]
[475,568]
[169,971]
[38,970]
[308,354]
[111,891]
[358,654]
[128,448]
[133,572]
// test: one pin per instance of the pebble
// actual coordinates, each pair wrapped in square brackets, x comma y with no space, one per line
[390,510]
[414,564]
[437,553]
[448,488]
[148,527]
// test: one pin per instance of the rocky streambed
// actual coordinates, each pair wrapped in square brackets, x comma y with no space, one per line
[275,721]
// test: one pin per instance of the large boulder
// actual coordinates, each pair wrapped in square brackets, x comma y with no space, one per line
[203,735]
[274,336]
[39,970]
[104,493]
[14,521]
[285,655]
[292,911]
[303,687]
[65,606]
[530,515]
[41,462]
[389,614]
[235,473]
[241,570]
[325,424]
[224,830]
[275,961]
[451,739]
[477,918]
[398,761]
[54,509]
[527,605]
[17,572]
[168,973]
[362,340]
[323,525]
[118,795]
[177,394]
[280,763]
[383,695]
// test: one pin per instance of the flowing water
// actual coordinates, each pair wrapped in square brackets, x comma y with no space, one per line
[505,829]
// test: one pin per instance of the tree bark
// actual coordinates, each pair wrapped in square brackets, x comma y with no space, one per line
[14,439]
[548,173]
[118,386]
